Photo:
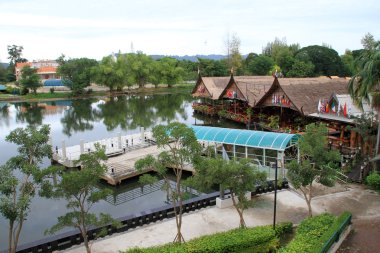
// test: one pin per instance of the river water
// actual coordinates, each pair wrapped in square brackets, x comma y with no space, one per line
[93,119]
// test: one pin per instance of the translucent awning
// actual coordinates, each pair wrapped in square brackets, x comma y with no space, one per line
[246,138]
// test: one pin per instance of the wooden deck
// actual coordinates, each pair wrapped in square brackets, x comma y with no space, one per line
[122,152]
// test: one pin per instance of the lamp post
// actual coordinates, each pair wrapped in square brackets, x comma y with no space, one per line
[275,196]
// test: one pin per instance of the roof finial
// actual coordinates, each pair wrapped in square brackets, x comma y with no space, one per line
[232,70]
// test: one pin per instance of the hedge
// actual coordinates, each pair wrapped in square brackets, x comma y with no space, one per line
[313,233]
[373,180]
[263,239]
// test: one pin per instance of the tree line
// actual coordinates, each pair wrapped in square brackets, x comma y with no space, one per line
[119,71]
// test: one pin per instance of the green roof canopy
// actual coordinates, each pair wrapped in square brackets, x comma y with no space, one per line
[246,138]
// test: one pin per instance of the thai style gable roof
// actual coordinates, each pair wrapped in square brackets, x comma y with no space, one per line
[304,93]
[252,88]
[214,86]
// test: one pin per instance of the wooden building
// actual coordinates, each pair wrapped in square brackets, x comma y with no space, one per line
[208,90]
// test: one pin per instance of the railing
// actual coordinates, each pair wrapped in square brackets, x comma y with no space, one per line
[336,236]
[68,239]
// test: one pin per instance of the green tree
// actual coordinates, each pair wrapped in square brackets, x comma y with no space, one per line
[348,63]
[317,163]
[3,74]
[138,68]
[78,188]
[191,70]
[171,73]
[209,67]
[20,177]
[180,149]
[156,73]
[234,58]
[76,73]
[15,53]
[364,85]
[110,72]
[239,177]
[30,79]
[301,69]
[325,60]
[260,65]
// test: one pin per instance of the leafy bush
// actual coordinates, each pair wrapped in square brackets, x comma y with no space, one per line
[373,180]
[313,233]
[260,239]
[52,90]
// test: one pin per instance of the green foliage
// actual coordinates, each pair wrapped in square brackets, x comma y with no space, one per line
[239,177]
[274,121]
[21,176]
[78,188]
[325,60]
[348,63]
[366,80]
[257,239]
[111,72]
[15,53]
[3,74]
[317,162]
[212,68]
[313,233]
[30,79]
[170,72]
[260,65]
[365,126]
[301,69]
[180,147]
[373,180]
[76,73]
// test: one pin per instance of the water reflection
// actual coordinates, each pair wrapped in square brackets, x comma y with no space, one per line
[79,117]
[91,119]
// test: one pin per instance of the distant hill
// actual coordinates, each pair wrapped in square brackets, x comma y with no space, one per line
[192,58]
[4,65]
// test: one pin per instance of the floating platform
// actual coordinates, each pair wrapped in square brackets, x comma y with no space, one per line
[122,152]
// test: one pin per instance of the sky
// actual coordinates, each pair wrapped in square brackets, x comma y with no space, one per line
[96,28]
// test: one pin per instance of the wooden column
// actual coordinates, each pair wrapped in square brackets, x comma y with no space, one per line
[353,139]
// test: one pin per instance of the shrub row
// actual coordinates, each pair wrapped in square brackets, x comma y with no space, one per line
[373,180]
[313,233]
[263,239]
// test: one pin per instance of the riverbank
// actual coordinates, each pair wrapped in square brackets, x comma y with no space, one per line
[44,94]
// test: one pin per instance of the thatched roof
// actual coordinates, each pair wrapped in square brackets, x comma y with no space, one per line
[253,88]
[214,87]
[304,93]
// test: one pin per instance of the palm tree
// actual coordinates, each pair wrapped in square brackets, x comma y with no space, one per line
[365,84]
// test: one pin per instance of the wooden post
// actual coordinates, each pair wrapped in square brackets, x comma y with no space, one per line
[142,133]
[352,139]
[81,146]
[63,150]
[119,140]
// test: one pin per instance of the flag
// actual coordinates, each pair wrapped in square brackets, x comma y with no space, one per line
[333,107]
[338,112]
[327,107]
[319,106]
[345,110]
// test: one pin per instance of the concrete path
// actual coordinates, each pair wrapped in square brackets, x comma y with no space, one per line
[202,222]
[290,207]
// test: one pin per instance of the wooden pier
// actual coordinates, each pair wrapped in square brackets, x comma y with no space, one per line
[122,152]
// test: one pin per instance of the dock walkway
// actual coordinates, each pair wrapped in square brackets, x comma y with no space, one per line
[122,152]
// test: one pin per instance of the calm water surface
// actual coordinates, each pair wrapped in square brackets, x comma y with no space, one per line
[90,120]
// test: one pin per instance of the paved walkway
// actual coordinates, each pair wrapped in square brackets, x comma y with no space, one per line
[290,207]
